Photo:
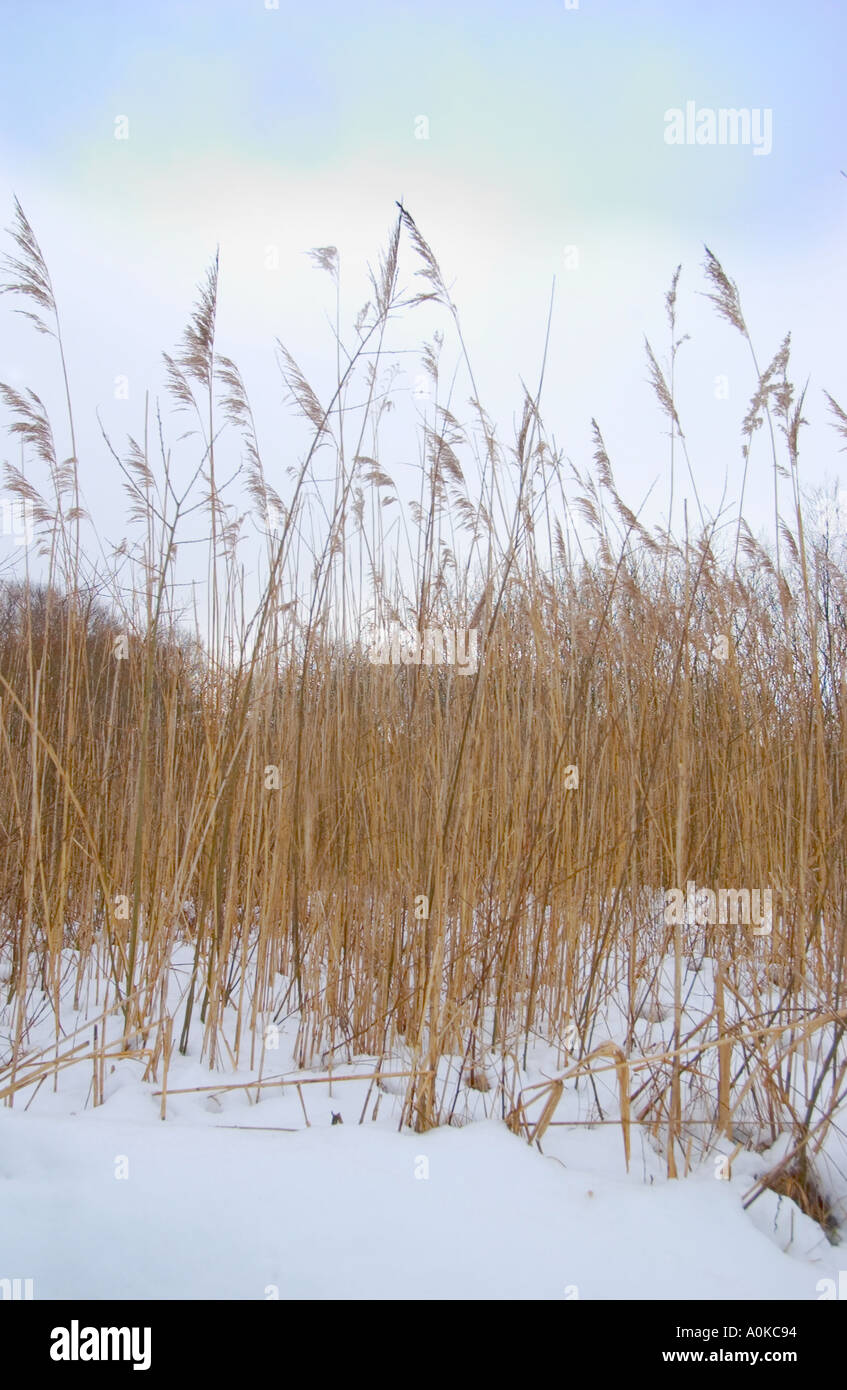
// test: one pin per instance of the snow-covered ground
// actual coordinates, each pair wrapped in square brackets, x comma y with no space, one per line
[229,1199]
[343,1211]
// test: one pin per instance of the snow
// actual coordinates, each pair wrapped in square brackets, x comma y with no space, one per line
[337,1212]
[230,1199]
[349,1211]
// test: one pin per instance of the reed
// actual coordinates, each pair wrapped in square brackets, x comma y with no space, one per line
[438,864]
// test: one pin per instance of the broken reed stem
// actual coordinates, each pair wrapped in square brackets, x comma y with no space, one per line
[294,1081]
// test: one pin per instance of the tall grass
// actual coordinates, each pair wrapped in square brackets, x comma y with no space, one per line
[436,864]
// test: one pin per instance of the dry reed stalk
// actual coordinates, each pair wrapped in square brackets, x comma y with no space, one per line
[167,1034]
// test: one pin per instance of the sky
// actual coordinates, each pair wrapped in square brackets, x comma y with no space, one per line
[528,142]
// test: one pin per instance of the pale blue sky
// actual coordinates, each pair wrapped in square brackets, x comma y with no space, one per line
[295,127]
[559,103]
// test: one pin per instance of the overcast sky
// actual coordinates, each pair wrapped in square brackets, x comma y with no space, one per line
[512,132]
